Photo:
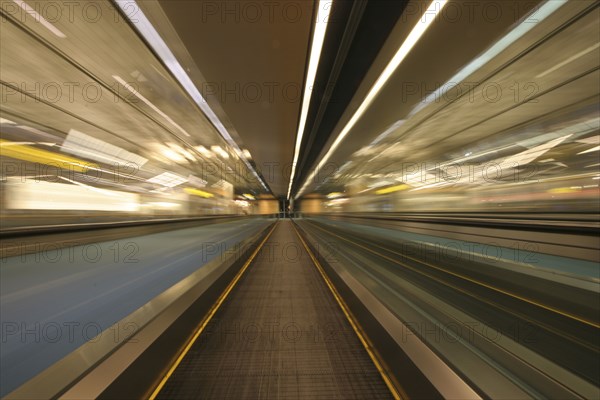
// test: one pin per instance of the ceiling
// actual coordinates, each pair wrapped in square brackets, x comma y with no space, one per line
[124,113]
[249,65]
[251,60]
[544,122]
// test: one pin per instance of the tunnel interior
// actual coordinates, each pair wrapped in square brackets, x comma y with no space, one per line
[299,199]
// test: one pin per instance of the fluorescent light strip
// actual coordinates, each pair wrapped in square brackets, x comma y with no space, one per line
[84,145]
[167,179]
[568,60]
[29,10]
[424,22]
[149,103]
[525,26]
[590,150]
[92,188]
[145,28]
[313,63]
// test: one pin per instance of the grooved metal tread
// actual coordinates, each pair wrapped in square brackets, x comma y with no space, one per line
[279,335]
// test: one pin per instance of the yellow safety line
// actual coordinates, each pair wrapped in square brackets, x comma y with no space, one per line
[560,312]
[208,317]
[355,326]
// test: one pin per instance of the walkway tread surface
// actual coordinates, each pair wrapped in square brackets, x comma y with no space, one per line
[279,335]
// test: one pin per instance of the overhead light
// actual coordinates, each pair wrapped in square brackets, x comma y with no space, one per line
[569,60]
[38,18]
[334,195]
[590,150]
[181,151]
[417,32]
[198,192]
[149,33]
[3,144]
[519,31]
[218,150]
[392,189]
[379,184]
[561,190]
[84,145]
[204,151]
[28,153]
[188,155]
[90,187]
[527,156]
[344,166]
[149,103]
[172,155]
[389,130]
[590,140]
[6,121]
[163,204]
[443,183]
[194,180]
[339,201]
[318,39]
[40,195]
[163,190]
[242,203]
[248,196]
[167,179]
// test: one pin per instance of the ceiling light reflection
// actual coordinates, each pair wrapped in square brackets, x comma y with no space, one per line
[322,18]
[417,32]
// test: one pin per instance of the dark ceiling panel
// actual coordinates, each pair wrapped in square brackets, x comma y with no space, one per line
[253,55]
[370,26]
